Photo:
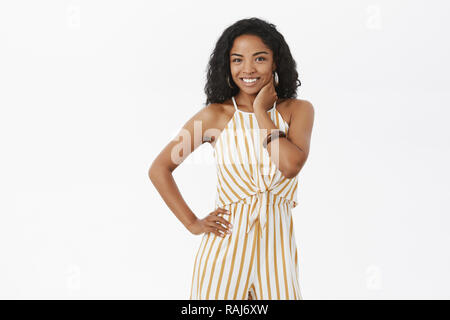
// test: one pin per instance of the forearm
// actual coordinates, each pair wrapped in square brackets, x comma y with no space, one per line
[164,182]
[286,156]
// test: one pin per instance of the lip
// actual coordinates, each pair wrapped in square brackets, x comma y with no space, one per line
[250,84]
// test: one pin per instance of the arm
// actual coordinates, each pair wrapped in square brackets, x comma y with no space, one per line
[175,152]
[300,129]
[290,154]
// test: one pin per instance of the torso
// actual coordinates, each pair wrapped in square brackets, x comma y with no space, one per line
[226,110]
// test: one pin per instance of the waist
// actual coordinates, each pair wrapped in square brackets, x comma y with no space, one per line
[264,198]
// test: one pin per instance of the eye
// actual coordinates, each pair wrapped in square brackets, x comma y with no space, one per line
[234,60]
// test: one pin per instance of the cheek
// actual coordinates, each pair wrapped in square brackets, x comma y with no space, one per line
[234,72]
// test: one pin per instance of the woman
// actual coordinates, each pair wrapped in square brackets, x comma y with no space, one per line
[260,134]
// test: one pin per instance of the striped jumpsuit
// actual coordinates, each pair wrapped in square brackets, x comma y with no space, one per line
[259,258]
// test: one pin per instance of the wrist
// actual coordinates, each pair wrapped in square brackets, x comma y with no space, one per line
[191,223]
[261,113]
[258,109]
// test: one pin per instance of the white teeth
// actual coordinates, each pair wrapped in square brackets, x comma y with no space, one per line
[249,80]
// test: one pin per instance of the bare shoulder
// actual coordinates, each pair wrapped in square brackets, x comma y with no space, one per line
[209,115]
[215,113]
[303,104]
[214,118]
[300,107]
[187,140]
[290,107]
[211,111]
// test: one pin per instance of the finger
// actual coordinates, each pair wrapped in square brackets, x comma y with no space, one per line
[218,226]
[225,211]
[224,222]
[216,232]
[224,228]
[215,212]
[220,211]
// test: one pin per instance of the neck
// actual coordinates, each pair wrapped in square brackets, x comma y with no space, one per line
[245,99]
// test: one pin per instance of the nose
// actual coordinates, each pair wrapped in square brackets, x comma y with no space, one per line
[248,68]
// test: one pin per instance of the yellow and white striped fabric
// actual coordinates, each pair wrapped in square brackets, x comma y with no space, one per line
[260,256]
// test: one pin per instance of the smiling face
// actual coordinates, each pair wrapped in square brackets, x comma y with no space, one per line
[251,63]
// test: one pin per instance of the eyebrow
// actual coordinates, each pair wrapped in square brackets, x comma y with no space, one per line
[256,53]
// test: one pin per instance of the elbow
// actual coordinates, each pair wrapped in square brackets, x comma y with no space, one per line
[290,174]
[293,167]
[153,171]
[292,171]
[157,170]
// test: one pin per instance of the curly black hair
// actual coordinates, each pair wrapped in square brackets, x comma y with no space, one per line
[217,89]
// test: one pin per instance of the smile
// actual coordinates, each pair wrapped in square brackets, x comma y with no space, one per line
[249,81]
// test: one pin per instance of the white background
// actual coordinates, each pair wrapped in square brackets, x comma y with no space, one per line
[91,91]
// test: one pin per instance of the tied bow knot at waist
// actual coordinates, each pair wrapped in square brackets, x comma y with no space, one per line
[259,201]
[258,207]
